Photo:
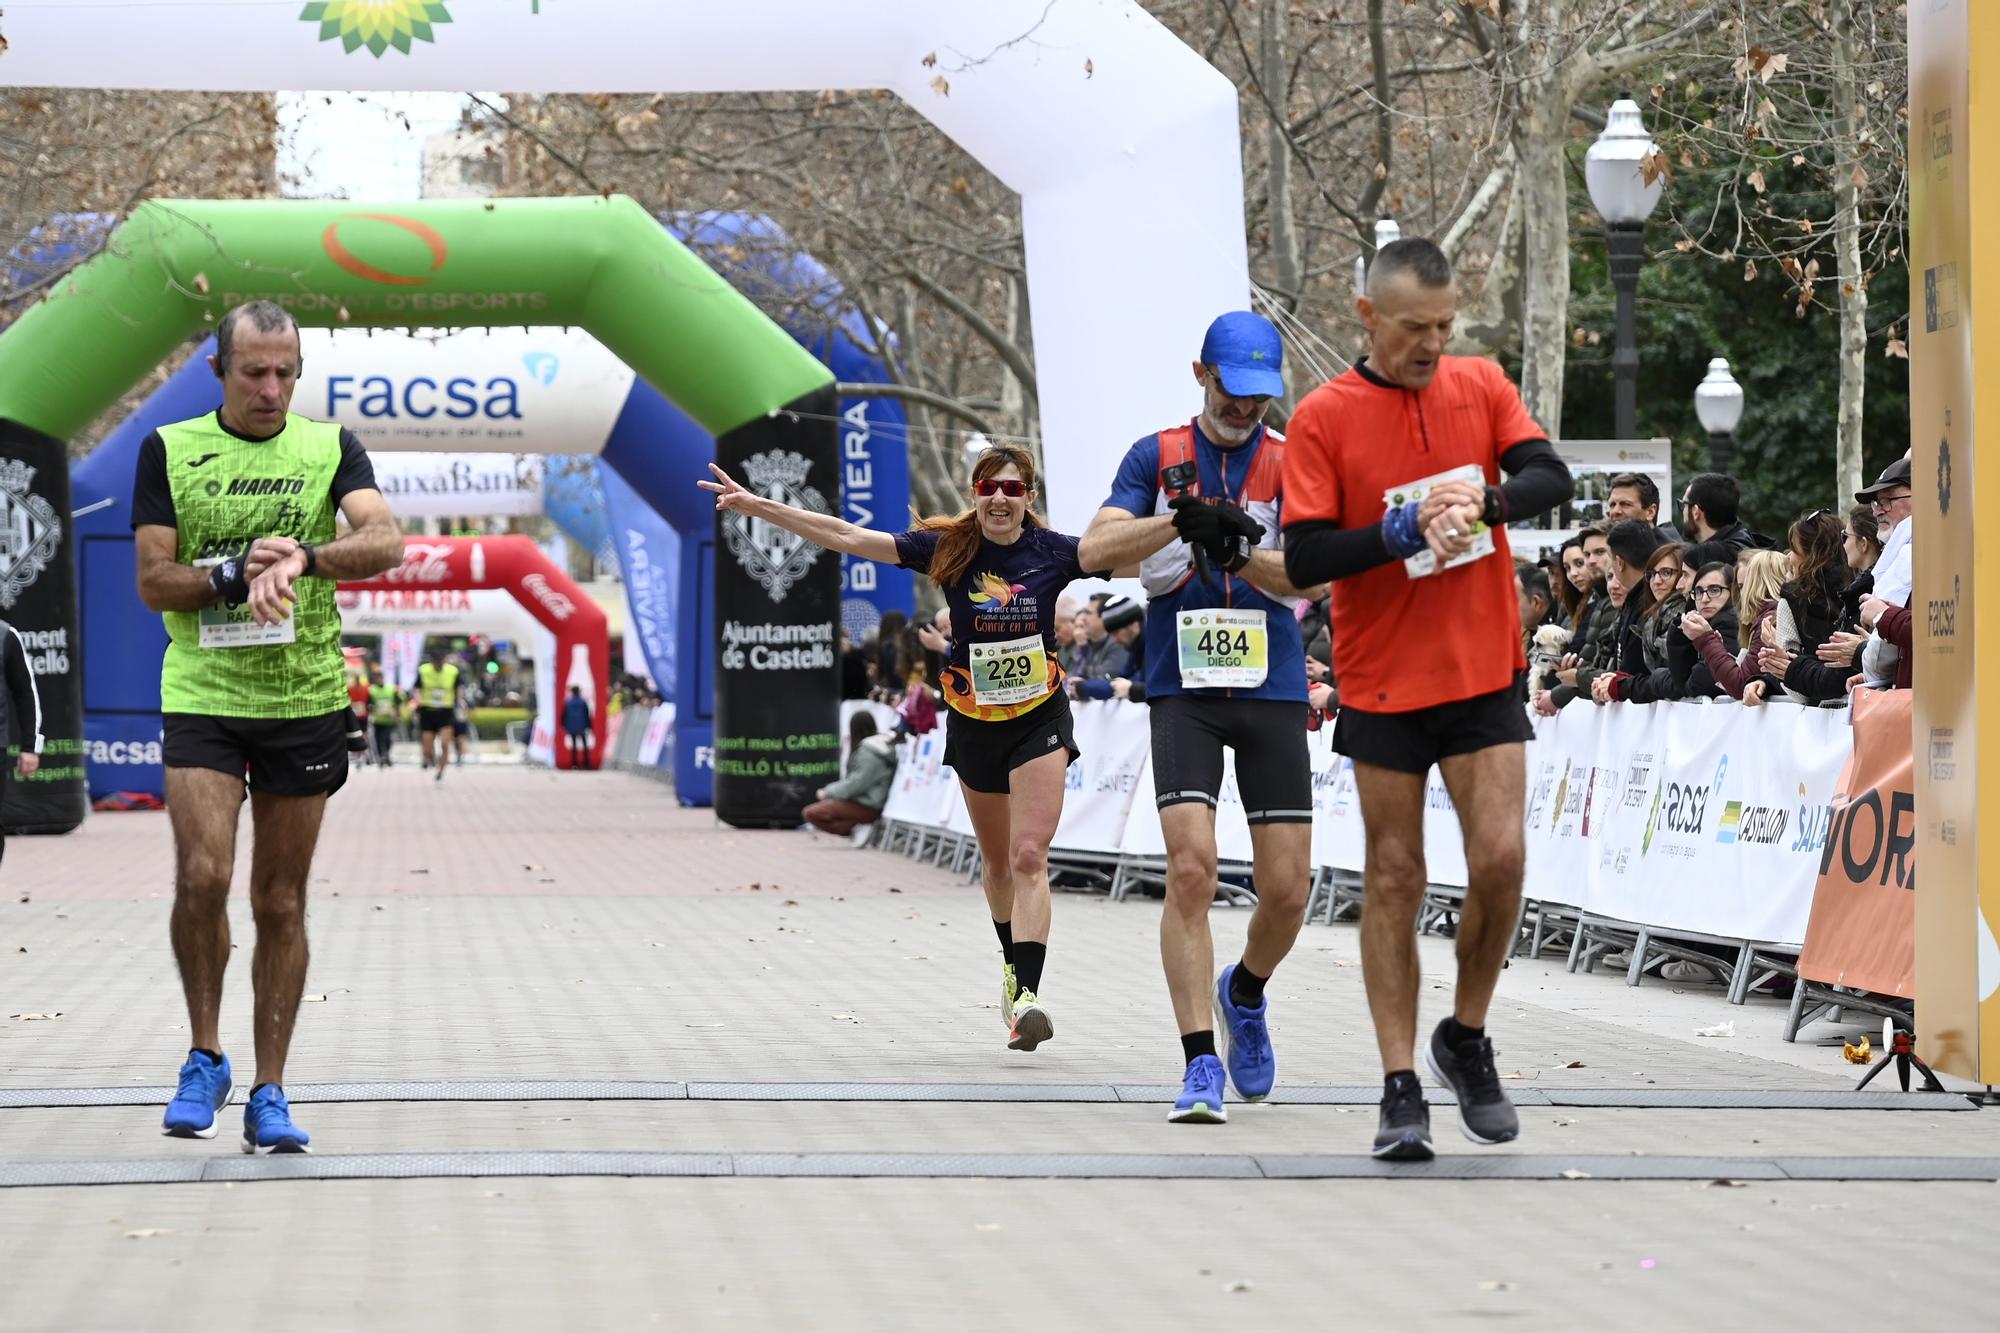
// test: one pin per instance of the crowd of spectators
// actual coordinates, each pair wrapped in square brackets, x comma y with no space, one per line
[1636,611]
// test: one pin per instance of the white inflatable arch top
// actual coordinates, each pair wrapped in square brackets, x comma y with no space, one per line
[1121,142]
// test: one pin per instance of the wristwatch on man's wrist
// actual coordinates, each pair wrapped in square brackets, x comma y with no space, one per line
[312,560]
[227,582]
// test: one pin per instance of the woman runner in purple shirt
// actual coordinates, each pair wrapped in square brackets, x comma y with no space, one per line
[1008,733]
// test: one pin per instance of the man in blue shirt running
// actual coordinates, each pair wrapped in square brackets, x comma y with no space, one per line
[1197,508]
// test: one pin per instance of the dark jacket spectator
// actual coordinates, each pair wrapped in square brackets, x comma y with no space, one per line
[1697,680]
[1812,608]
[1106,659]
[1594,643]
[1727,545]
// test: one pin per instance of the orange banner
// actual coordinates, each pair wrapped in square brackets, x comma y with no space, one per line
[1862,931]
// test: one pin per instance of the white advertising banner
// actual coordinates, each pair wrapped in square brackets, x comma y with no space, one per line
[1115,739]
[504,391]
[1698,817]
[1091,112]
[490,611]
[426,485]
[659,726]
[1592,464]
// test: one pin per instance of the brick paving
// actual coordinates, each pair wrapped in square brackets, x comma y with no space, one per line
[517,924]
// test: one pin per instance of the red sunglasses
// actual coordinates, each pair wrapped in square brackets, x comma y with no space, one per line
[1010,488]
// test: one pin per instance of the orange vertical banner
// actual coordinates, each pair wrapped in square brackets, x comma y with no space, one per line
[1862,931]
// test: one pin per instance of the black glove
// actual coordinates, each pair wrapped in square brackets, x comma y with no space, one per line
[1196,521]
[1200,523]
[1231,553]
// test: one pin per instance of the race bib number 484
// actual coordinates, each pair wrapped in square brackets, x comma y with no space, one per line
[1222,649]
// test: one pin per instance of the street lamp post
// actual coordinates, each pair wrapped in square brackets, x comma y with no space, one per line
[1718,401]
[1614,169]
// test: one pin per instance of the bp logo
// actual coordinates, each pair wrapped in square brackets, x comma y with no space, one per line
[774,557]
[375,24]
[30,532]
[1944,478]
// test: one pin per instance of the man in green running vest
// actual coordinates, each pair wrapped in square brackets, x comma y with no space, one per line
[233,515]
[385,710]
[438,689]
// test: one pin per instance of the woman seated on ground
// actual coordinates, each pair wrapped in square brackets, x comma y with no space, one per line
[856,800]
[1756,607]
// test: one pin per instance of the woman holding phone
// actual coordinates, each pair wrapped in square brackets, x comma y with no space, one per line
[1008,732]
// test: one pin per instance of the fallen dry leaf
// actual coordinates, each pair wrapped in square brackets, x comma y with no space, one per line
[1722,1182]
[1574,1064]
[30,1018]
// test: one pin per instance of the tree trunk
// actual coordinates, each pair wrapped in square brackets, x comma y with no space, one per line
[1542,194]
[1851,281]
[1276,80]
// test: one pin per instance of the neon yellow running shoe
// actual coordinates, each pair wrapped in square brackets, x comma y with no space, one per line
[1010,986]
[1031,1025]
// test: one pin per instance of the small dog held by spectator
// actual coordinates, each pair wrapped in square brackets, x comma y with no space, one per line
[1545,653]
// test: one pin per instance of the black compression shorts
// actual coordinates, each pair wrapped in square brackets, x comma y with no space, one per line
[1273,769]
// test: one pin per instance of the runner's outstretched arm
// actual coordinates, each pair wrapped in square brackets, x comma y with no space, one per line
[826,530]
[1118,540]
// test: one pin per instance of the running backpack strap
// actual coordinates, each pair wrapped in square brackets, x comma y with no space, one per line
[1176,449]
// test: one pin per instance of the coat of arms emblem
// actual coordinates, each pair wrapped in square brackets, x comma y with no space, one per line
[30,532]
[774,557]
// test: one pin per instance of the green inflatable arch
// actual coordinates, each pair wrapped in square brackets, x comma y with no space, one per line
[602,264]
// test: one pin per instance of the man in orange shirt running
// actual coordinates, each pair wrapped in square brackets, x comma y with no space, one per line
[1392,492]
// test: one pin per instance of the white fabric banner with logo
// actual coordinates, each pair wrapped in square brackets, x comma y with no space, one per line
[1117,743]
[1698,817]
[1706,818]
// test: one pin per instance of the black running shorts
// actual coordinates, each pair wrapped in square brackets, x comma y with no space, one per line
[1412,742]
[302,756]
[1273,769]
[985,754]
[434,719]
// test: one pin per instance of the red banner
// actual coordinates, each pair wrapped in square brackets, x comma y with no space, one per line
[583,654]
[1862,931]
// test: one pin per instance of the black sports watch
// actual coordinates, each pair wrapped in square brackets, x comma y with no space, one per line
[1238,550]
[312,559]
[226,580]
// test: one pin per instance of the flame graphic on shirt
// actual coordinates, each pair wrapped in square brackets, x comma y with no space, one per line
[992,590]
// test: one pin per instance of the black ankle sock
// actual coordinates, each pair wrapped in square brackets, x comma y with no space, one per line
[1456,1033]
[1028,959]
[213,1055]
[1402,1078]
[1197,1044]
[260,1087]
[1005,930]
[1246,988]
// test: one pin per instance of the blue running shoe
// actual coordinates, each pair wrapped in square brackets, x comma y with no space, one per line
[1200,1102]
[203,1091]
[1245,1042]
[267,1123]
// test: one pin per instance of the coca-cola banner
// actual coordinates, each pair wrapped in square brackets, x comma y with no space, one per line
[582,645]
[38,598]
[777,606]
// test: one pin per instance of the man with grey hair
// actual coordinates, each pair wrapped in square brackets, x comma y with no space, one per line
[233,519]
[1393,492]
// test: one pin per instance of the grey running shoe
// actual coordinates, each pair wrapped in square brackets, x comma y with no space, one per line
[1405,1133]
[1484,1114]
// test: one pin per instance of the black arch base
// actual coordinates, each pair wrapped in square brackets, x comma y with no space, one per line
[38,598]
[777,610]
